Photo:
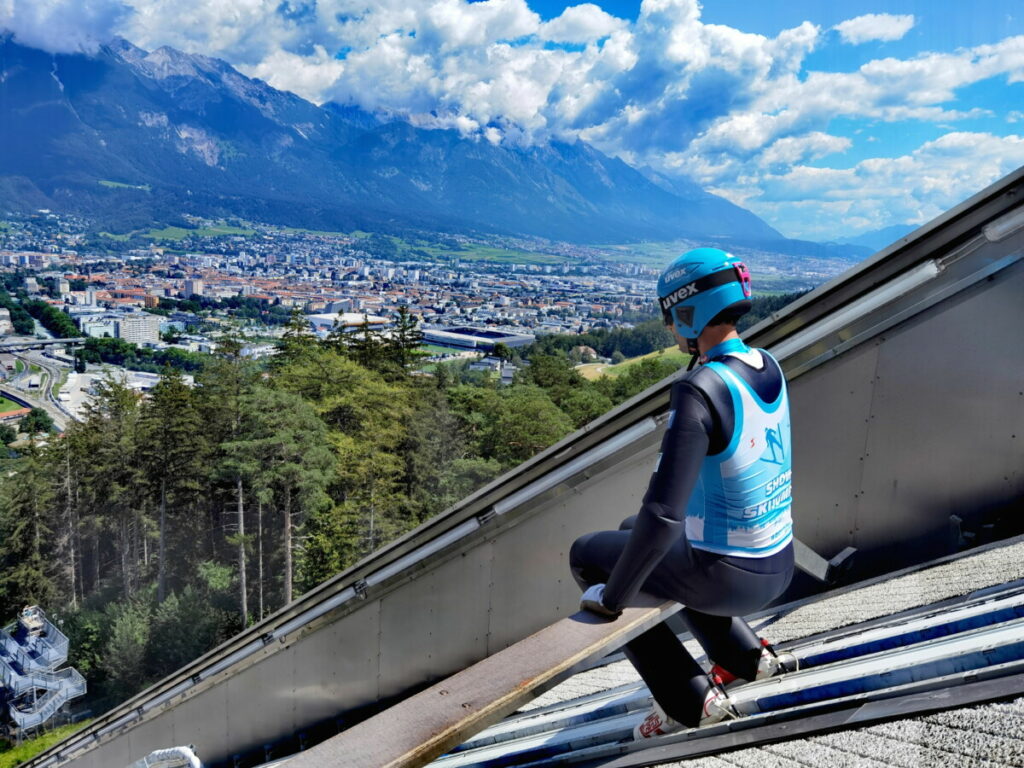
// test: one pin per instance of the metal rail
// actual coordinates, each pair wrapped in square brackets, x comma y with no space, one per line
[959,691]
[852,642]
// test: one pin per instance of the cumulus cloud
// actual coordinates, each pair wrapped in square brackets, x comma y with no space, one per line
[289,71]
[666,90]
[826,203]
[62,26]
[793,149]
[581,24]
[874,26]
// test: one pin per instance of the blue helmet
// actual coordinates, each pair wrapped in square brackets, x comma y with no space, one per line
[698,285]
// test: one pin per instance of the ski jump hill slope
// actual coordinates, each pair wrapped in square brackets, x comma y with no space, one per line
[907,393]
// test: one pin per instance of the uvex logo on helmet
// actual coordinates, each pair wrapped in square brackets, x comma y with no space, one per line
[683,271]
[678,295]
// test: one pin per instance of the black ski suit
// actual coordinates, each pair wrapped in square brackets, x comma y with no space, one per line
[651,552]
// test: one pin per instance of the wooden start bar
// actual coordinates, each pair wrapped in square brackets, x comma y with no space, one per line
[430,723]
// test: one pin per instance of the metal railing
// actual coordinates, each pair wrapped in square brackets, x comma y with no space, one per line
[68,684]
[47,650]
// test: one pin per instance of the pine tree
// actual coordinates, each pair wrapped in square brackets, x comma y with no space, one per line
[403,346]
[28,568]
[112,482]
[433,442]
[528,423]
[66,463]
[225,386]
[298,338]
[174,458]
[284,442]
[366,346]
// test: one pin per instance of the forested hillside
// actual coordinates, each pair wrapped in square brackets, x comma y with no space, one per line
[157,527]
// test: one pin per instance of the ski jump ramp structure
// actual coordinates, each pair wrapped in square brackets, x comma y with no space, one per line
[907,397]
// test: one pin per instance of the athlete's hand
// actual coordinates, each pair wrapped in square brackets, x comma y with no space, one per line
[593,601]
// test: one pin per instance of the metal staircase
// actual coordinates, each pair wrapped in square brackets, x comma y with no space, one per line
[34,689]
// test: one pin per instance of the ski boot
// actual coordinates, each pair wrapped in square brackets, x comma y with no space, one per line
[717,707]
[769,664]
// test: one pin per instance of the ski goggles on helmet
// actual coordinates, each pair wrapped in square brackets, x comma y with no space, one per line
[675,307]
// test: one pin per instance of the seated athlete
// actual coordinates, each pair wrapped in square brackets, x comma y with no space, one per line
[714,530]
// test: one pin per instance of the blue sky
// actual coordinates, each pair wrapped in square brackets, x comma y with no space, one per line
[826,119]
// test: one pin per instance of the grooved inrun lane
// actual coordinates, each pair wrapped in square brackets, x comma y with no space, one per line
[956,738]
[959,577]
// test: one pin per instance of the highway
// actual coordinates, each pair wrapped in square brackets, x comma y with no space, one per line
[50,371]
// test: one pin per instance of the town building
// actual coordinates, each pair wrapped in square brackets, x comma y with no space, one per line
[139,328]
[323,324]
[483,339]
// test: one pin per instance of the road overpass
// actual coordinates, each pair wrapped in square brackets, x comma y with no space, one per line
[905,377]
[40,343]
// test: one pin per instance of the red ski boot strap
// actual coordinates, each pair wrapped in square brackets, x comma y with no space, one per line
[724,676]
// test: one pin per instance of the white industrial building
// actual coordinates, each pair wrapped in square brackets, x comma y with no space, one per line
[324,323]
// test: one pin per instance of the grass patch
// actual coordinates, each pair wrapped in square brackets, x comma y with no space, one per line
[15,755]
[473,252]
[648,254]
[594,371]
[120,185]
[223,229]
[19,367]
[33,368]
[6,406]
[500,255]
[58,383]
[317,232]
[180,233]
[434,349]
[168,233]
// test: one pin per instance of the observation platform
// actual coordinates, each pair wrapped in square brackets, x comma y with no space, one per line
[34,689]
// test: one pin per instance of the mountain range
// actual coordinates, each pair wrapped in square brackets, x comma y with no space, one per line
[130,137]
[878,239]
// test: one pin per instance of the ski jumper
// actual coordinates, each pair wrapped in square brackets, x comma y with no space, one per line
[714,531]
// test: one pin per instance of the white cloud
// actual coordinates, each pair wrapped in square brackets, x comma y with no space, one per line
[793,149]
[874,26]
[825,203]
[245,32]
[62,26]
[581,24]
[664,89]
[287,71]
